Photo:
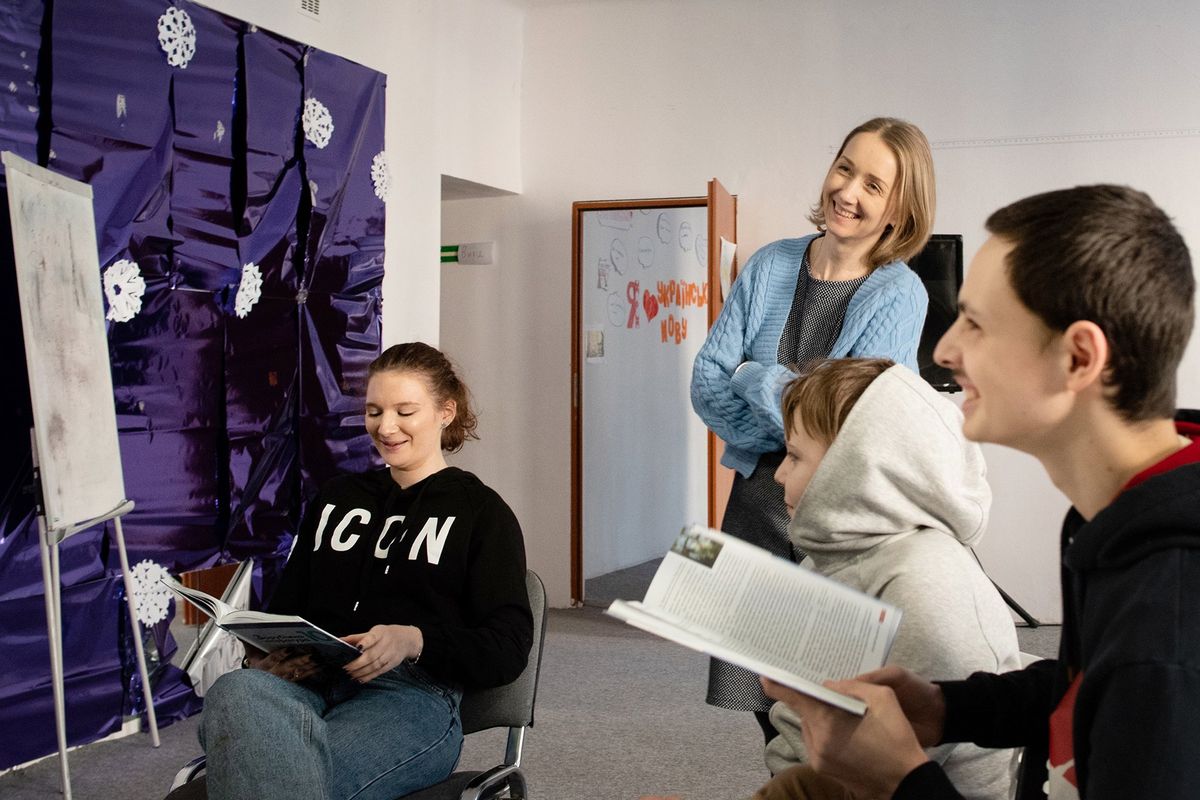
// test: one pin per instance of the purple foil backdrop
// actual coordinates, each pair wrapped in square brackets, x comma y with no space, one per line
[339,329]
[226,423]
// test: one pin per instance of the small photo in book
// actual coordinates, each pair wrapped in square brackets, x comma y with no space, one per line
[696,547]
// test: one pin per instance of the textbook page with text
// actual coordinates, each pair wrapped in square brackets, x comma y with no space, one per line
[739,603]
[267,631]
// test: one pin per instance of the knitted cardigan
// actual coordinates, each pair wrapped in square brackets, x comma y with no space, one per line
[884,320]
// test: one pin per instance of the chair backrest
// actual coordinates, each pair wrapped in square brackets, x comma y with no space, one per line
[511,705]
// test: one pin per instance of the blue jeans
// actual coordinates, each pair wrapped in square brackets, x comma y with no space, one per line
[269,738]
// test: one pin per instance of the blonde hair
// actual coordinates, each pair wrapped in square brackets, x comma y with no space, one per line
[914,197]
[819,400]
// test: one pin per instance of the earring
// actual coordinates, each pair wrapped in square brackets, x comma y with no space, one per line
[444,424]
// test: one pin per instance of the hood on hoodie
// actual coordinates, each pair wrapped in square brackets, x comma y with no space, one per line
[900,463]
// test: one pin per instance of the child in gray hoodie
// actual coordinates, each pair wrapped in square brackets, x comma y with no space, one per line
[887,496]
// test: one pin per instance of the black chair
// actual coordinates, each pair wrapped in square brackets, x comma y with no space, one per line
[509,706]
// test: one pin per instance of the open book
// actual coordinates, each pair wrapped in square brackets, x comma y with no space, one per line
[214,652]
[266,631]
[739,603]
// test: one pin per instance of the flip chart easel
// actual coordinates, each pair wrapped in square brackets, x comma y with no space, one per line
[76,456]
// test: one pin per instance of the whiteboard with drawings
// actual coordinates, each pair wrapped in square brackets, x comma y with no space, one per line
[66,348]
[644,314]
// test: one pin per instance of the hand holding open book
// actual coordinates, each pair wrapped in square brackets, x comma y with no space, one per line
[269,632]
[737,602]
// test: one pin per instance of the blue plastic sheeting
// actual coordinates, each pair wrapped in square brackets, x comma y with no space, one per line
[20,47]
[111,114]
[92,663]
[343,265]
[227,423]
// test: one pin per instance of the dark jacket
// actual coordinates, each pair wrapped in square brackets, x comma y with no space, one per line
[1131,636]
[445,555]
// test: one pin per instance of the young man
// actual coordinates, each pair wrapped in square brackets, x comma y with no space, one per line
[1072,322]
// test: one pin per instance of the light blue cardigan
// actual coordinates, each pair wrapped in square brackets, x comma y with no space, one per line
[884,320]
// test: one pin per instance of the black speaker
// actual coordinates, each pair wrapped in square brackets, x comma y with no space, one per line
[940,267]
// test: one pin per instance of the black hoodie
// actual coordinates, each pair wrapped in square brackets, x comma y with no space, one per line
[446,555]
[1130,652]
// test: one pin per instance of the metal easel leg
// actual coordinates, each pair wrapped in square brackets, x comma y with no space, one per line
[147,694]
[53,594]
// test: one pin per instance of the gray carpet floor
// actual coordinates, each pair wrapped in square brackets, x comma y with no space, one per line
[620,715]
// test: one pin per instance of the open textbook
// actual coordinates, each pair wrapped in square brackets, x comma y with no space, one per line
[739,603]
[266,631]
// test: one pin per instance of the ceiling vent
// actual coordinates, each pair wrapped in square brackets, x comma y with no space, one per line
[310,8]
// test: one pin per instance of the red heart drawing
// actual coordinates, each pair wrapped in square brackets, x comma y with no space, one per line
[650,303]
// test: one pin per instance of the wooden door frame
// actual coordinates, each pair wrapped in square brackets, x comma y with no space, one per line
[577,210]
[720,479]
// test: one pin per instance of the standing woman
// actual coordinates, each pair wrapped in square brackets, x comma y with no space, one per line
[844,291]
[419,565]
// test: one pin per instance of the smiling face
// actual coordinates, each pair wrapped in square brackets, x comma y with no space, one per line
[856,195]
[795,472]
[1011,366]
[405,423]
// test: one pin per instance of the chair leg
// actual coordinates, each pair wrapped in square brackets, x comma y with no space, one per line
[517,789]
[190,771]
[502,781]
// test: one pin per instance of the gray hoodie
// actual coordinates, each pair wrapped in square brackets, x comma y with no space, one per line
[892,510]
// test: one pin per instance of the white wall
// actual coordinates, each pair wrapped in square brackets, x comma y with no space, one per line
[649,98]
[478,91]
[396,38]
[507,326]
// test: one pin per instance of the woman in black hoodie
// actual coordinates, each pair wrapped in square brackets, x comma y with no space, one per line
[421,567]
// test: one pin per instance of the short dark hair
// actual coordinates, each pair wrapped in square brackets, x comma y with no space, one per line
[444,384]
[1109,255]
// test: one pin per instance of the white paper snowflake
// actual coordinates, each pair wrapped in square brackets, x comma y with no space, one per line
[318,123]
[380,175]
[124,287]
[249,290]
[151,598]
[177,37]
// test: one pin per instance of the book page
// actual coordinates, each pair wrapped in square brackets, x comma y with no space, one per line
[201,600]
[769,609]
[291,632]
[267,631]
[214,651]
[636,615]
